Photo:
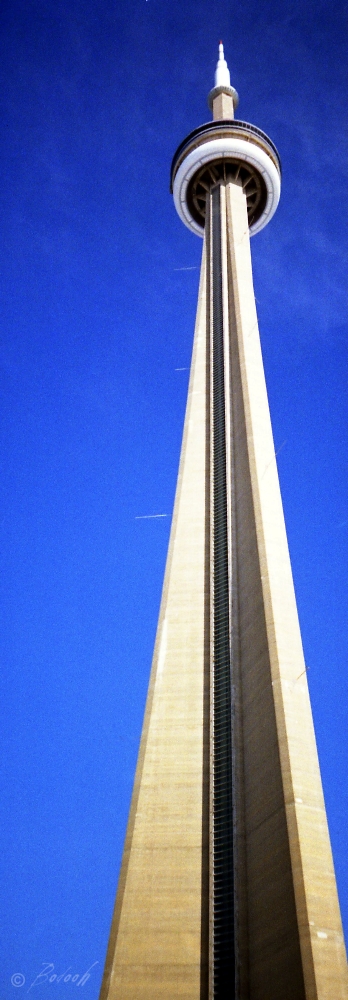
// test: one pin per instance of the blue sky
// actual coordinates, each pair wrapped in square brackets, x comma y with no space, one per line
[98,292]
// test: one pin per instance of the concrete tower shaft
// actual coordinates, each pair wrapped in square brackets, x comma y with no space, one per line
[227,889]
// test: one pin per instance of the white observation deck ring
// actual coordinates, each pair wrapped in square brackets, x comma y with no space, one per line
[213,152]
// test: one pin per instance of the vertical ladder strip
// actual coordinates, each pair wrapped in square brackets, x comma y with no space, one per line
[222,854]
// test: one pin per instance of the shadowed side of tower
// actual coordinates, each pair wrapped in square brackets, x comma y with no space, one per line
[227,889]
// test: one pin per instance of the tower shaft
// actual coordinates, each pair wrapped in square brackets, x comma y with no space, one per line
[227,887]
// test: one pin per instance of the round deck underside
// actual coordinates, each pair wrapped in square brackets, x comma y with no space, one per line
[209,174]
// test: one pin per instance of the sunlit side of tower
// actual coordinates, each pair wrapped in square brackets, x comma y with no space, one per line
[227,887]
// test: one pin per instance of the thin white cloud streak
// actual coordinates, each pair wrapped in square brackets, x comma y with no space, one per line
[148,517]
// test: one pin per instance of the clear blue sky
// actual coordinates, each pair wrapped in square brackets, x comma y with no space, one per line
[98,291]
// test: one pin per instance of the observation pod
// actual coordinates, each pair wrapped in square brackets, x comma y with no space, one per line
[225,150]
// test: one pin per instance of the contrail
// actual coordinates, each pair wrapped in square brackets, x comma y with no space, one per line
[143,517]
[194,268]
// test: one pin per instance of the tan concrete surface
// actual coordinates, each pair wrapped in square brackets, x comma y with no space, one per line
[223,107]
[155,949]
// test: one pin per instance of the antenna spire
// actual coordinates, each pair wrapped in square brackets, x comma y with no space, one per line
[222,73]
[223,99]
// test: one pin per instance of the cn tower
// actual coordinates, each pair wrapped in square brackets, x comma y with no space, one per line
[227,888]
